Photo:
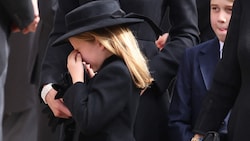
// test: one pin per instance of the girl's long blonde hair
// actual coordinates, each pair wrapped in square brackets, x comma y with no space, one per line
[121,42]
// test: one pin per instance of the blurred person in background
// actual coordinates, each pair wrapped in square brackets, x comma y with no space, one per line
[16,16]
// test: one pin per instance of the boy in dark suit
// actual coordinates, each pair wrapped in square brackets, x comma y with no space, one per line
[195,75]
[230,86]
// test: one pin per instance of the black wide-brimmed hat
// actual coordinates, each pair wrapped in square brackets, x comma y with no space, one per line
[94,15]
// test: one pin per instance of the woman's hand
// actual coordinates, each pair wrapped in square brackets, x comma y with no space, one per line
[75,66]
[33,25]
[57,105]
[89,70]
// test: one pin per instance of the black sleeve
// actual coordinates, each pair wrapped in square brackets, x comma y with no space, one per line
[21,12]
[183,33]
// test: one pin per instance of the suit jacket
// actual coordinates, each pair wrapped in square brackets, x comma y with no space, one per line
[12,12]
[230,87]
[193,81]
[151,123]
[104,108]
[46,12]
[203,9]
[19,93]
[17,13]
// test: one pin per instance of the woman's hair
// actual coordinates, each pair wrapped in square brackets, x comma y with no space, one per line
[121,42]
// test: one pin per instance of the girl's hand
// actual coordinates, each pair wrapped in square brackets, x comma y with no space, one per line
[89,70]
[75,66]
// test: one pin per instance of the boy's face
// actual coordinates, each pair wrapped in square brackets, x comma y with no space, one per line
[220,15]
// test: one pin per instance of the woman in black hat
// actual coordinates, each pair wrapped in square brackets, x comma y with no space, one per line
[103,104]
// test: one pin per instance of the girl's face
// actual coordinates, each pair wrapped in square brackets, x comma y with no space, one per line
[91,52]
[220,15]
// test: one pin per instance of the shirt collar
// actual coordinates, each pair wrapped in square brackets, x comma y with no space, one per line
[221,48]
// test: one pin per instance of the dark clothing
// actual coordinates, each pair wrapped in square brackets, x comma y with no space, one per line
[47,10]
[13,13]
[151,122]
[20,14]
[104,108]
[18,60]
[194,79]
[17,13]
[230,87]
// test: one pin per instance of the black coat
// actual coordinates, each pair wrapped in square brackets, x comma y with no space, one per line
[104,108]
[151,123]
[194,78]
[230,88]
[46,12]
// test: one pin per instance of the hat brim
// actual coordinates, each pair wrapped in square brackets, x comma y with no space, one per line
[96,25]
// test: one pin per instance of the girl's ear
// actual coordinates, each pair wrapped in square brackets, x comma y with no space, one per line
[101,45]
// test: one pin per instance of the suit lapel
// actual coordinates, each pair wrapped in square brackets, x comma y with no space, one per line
[208,58]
